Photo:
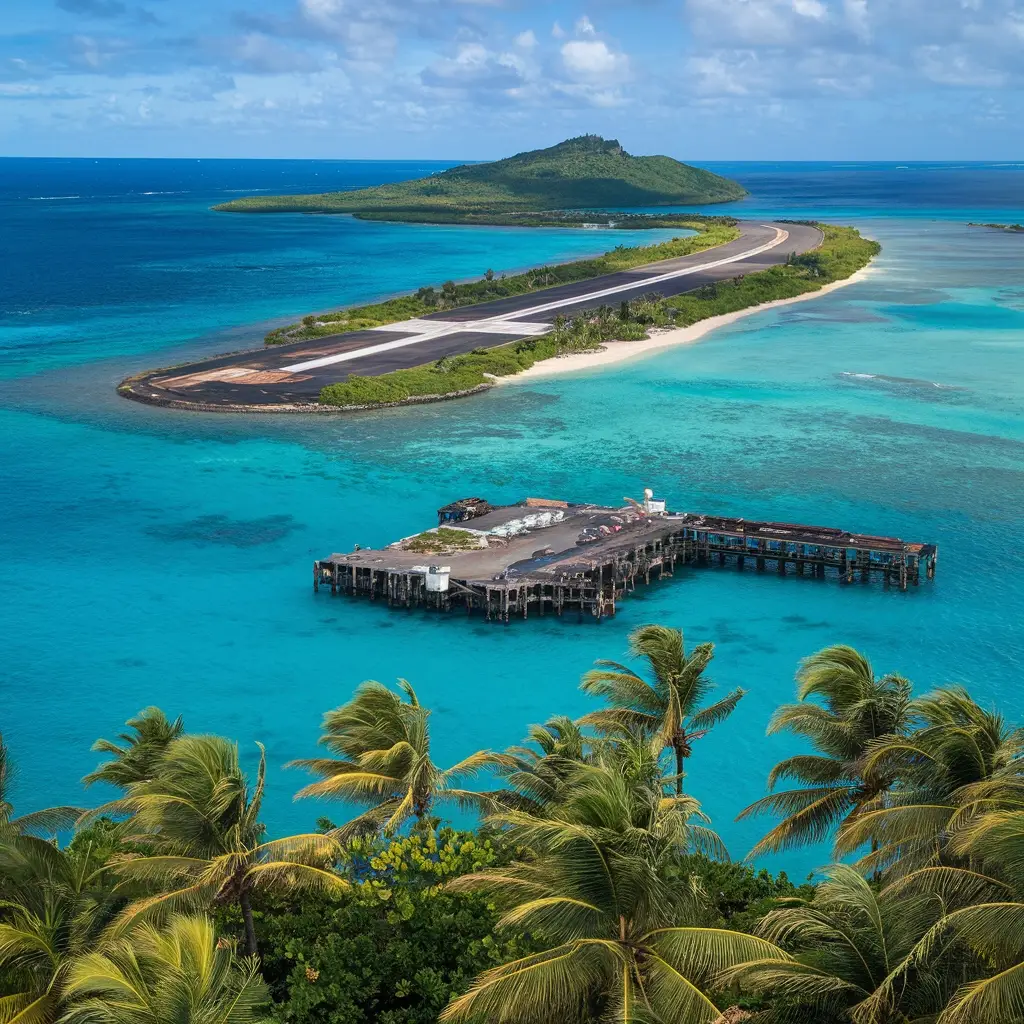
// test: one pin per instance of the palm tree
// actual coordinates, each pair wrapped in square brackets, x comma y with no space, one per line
[856,710]
[958,758]
[852,947]
[537,774]
[199,821]
[45,822]
[54,908]
[989,920]
[601,892]
[179,975]
[381,745]
[667,709]
[136,761]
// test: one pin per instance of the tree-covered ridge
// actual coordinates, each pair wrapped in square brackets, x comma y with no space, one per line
[594,889]
[582,173]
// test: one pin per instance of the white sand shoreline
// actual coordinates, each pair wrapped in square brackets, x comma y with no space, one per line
[619,351]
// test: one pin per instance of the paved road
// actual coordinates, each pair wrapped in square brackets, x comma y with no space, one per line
[294,374]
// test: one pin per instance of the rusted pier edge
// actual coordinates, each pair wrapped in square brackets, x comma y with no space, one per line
[591,578]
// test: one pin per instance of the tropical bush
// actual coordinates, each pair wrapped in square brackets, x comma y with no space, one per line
[399,944]
[455,375]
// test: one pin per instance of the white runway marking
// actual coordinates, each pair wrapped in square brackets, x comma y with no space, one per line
[505,323]
[458,326]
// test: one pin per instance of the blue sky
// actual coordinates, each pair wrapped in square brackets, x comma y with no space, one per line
[465,79]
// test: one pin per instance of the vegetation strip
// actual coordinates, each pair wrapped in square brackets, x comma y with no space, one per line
[711,232]
[842,253]
[998,227]
[594,879]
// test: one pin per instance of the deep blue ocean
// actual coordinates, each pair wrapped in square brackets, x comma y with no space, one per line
[153,557]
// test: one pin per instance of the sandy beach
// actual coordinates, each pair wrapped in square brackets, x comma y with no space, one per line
[620,351]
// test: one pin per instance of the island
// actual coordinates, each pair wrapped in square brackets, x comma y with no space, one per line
[452,339]
[998,227]
[432,345]
[533,188]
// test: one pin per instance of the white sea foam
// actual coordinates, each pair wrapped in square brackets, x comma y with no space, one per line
[55,197]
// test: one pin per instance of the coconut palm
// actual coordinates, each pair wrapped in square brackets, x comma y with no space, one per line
[601,893]
[959,760]
[199,821]
[972,839]
[852,945]
[991,922]
[178,975]
[667,709]
[536,774]
[44,822]
[151,733]
[856,710]
[382,757]
[54,908]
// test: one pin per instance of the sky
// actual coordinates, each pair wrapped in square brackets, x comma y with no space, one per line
[479,79]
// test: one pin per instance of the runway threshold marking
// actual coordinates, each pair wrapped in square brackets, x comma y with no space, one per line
[492,325]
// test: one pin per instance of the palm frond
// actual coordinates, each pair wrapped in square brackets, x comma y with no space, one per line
[710,716]
[811,815]
[295,877]
[553,985]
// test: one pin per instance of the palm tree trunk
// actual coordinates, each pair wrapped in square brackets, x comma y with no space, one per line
[250,925]
[421,808]
[679,771]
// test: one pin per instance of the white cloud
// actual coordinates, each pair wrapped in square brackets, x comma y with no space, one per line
[476,68]
[584,58]
[717,77]
[810,9]
[585,27]
[954,66]
[857,16]
[527,40]
[557,31]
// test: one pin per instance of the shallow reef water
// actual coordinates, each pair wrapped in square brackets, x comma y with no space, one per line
[150,557]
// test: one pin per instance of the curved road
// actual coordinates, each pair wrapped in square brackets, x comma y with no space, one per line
[286,376]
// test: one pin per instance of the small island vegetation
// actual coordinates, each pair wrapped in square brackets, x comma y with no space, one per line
[998,227]
[442,540]
[451,295]
[585,173]
[592,888]
[842,253]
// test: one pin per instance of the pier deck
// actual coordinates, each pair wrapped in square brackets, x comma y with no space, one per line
[550,556]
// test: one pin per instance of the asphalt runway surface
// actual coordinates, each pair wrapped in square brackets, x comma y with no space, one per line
[293,374]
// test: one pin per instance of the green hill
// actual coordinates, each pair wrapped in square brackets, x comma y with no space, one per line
[584,173]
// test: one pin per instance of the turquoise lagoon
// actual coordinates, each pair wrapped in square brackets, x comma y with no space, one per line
[150,557]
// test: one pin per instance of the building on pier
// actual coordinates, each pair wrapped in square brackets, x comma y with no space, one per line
[546,557]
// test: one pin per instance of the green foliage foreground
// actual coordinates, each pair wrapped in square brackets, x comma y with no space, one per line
[842,254]
[594,889]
